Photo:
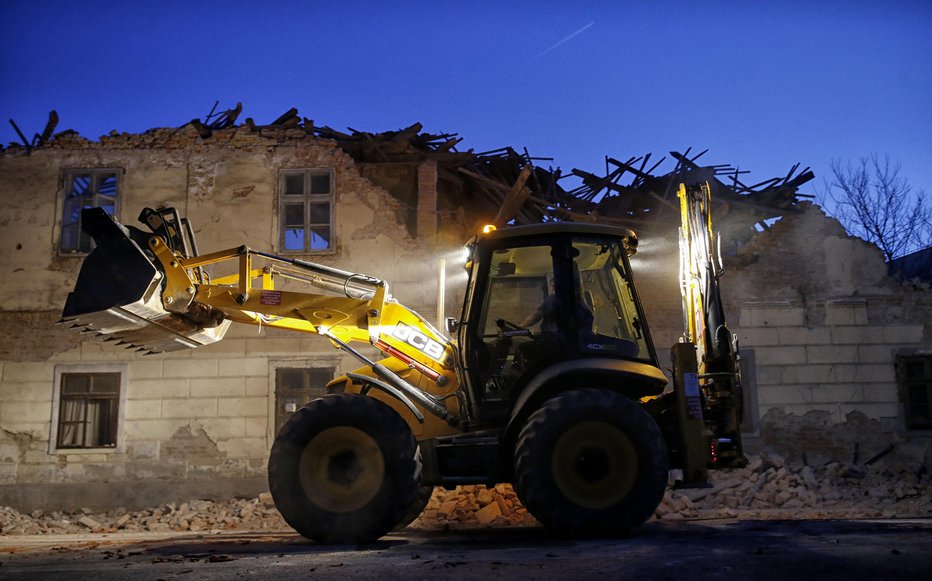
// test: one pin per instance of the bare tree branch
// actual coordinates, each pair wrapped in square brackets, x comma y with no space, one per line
[874,202]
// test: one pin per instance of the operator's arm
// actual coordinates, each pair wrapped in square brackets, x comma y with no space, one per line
[534,317]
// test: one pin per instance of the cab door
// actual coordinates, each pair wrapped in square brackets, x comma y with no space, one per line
[516,321]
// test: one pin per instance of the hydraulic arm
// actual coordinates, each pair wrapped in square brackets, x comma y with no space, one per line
[162,288]
[706,360]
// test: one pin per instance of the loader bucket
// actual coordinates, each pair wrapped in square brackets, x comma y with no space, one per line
[118,295]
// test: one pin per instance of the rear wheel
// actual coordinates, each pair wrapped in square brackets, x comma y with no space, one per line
[591,462]
[343,469]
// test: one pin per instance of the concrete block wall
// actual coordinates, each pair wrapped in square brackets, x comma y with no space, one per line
[199,421]
[842,365]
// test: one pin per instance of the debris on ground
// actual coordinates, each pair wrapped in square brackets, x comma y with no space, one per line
[767,488]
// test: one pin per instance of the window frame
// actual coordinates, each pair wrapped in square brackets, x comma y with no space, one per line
[332,361]
[902,385]
[308,199]
[57,399]
[67,183]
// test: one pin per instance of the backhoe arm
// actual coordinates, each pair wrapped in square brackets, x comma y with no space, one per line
[706,370]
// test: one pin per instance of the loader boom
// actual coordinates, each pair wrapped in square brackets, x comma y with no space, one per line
[174,288]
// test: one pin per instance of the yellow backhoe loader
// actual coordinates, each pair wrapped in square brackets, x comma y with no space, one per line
[549,379]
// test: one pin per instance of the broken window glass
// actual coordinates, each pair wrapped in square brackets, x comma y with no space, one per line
[85,188]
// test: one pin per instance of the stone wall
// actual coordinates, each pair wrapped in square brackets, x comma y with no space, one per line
[193,423]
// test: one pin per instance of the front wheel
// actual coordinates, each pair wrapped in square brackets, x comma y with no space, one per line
[591,462]
[343,469]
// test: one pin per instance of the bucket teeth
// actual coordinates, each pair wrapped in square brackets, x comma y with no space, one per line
[117,294]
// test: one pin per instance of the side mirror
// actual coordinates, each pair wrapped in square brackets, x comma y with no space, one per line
[452,325]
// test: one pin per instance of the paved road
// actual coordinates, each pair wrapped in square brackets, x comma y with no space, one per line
[724,549]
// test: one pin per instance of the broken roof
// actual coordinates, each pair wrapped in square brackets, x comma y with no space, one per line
[494,185]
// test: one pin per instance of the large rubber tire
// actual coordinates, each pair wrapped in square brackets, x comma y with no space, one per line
[343,469]
[415,510]
[591,462]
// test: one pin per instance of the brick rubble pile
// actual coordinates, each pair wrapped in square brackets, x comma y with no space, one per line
[767,488]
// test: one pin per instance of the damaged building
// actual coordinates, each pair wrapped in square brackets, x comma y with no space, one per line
[837,355]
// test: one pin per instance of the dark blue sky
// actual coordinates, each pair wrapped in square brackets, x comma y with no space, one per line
[762,85]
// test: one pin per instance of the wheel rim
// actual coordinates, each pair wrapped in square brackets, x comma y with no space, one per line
[341,469]
[594,464]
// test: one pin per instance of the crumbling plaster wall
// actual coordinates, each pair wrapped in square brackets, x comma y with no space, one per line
[195,423]
[825,324]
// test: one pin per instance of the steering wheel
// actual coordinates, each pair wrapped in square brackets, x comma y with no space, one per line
[509,329]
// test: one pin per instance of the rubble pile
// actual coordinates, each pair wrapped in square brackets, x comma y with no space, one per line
[767,488]
[196,515]
[474,505]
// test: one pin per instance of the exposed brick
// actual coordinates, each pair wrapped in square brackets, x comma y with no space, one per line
[244,447]
[872,410]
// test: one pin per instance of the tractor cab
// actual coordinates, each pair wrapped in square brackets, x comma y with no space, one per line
[549,301]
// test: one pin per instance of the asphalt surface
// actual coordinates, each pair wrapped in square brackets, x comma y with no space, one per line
[715,549]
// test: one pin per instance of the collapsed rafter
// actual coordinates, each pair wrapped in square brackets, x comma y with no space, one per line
[474,186]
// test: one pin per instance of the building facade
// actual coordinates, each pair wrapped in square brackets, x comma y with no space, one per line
[838,357]
[96,424]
